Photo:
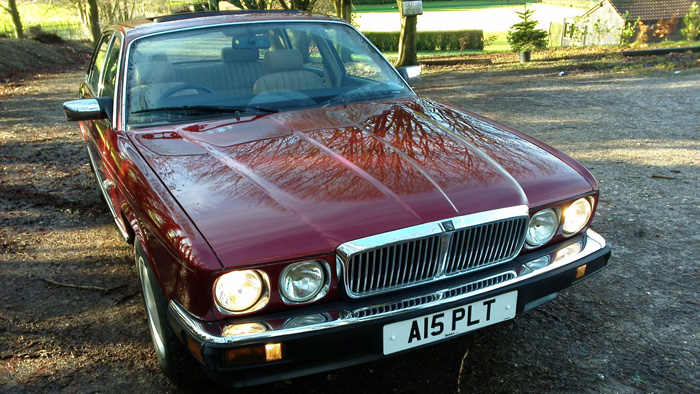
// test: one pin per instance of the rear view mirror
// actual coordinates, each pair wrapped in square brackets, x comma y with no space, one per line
[251,42]
[89,109]
[410,74]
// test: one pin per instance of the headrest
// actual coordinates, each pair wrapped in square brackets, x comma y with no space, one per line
[233,55]
[283,60]
[148,72]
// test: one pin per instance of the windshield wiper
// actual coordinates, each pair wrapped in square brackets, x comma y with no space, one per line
[208,109]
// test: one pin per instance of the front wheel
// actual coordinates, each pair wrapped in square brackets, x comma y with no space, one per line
[177,364]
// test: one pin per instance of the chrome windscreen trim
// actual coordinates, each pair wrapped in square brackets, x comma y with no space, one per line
[593,243]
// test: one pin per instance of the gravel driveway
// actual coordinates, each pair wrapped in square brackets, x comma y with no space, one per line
[71,318]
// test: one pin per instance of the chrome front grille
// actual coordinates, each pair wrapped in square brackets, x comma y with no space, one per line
[485,245]
[431,251]
[413,261]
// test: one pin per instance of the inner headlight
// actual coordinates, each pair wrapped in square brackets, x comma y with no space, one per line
[238,290]
[302,282]
[542,228]
[576,215]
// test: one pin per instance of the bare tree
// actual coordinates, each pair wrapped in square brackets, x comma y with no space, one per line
[14,12]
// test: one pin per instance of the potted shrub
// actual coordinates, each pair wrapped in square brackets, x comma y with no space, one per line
[524,38]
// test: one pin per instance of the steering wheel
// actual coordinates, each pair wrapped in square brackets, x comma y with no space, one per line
[283,99]
[185,86]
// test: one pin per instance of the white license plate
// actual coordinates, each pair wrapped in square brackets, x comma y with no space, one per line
[410,333]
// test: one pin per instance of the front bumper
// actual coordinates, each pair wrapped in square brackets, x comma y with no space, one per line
[350,332]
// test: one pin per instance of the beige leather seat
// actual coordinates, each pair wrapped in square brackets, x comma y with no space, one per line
[244,67]
[151,78]
[284,72]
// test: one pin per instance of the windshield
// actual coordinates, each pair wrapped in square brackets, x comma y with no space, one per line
[252,69]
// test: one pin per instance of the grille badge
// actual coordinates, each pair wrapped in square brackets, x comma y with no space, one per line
[447,225]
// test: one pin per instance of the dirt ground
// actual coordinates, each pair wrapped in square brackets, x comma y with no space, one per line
[71,318]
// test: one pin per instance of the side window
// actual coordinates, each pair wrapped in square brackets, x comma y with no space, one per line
[98,62]
[109,77]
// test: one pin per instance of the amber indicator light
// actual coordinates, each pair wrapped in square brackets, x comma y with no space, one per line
[194,348]
[273,351]
[581,271]
[259,354]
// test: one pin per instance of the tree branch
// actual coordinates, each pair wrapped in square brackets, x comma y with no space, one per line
[84,287]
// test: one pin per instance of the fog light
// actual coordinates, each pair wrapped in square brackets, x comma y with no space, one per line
[273,352]
[534,265]
[243,329]
[568,251]
[302,321]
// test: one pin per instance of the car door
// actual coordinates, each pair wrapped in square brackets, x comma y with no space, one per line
[101,135]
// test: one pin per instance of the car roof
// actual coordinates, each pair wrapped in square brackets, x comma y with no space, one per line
[165,23]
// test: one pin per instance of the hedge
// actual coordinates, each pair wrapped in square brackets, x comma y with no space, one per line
[429,40]
[485,3]
[374,2]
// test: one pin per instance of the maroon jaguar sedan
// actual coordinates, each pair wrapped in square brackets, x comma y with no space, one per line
[294,207]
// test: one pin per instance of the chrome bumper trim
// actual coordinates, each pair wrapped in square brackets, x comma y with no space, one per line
[594,243]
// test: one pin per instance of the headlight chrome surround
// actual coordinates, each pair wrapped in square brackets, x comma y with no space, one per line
[543,225]
[242,291]
[576,216]
[305,281]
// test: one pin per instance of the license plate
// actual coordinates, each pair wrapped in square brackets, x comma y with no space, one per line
[410,333]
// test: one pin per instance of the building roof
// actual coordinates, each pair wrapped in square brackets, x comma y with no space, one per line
[652,9]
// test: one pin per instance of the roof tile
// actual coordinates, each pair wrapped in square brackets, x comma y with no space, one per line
[652,9]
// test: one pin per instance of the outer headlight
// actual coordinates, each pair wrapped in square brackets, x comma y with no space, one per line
[239,290]
[577,215]
[542,228]
[301,282]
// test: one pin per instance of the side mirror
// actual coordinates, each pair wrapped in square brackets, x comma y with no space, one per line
[89,109]
[410,74]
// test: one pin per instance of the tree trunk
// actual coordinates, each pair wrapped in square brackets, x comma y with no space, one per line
[19,32]
[94,16]
[343,9]
[407,41]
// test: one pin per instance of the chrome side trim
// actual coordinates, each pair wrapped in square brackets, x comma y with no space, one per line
[593,243]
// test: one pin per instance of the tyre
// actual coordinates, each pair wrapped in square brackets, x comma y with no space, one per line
[174,359]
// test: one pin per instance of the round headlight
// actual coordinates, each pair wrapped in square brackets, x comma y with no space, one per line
[238,290]
[301,282]
[576,215]
[542,227]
